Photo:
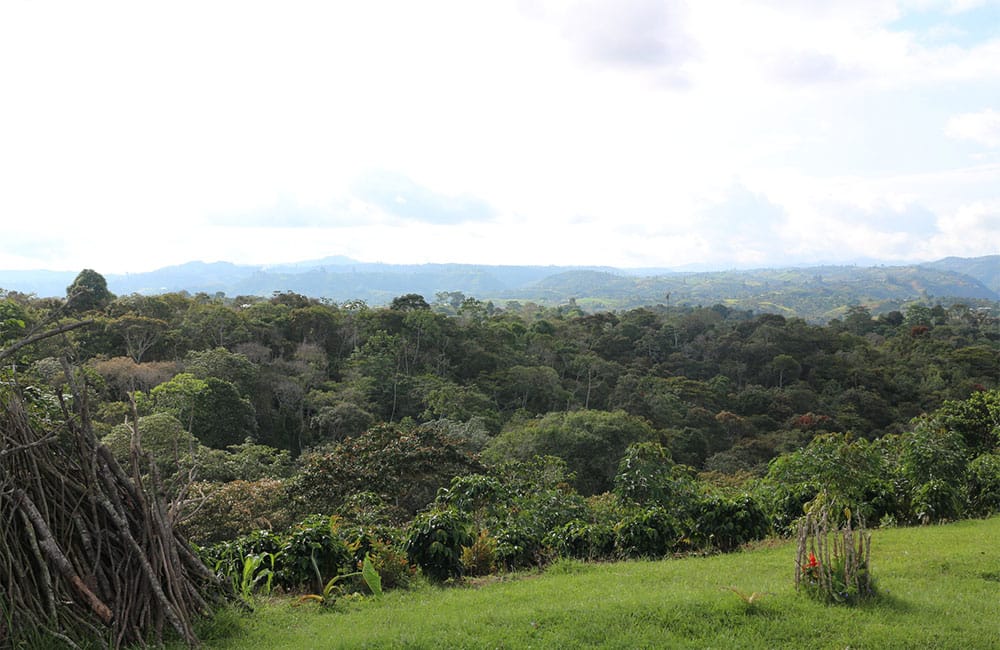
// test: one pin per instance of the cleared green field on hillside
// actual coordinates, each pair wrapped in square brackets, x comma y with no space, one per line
[940,588]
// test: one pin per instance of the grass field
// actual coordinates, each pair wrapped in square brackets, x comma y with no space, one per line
[940,588]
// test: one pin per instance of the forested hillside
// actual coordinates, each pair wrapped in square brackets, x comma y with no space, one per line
[292,372]
[546,429]
[816,294]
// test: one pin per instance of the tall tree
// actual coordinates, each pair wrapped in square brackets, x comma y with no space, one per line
[89,292]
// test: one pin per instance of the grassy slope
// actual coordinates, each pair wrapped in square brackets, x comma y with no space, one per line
[941,589]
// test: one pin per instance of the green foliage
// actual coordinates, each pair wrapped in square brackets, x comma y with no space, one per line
[520,543]
[229,559]
[479,559]
[228,510]
[390,561]
[932,463]
[837,464]
[249,461]
[313,550]
[434,543]
[929,451]
[221,416]
[13,320]
[984,485]
[651,533]
[332,589]
[936,501]
[976,419]
[165,442]
[647,476]
[591,443]
[317,553]
[371,577]
[403,464]
[728,523]
[583,540]
[223,364]
[256,577]
[89,292]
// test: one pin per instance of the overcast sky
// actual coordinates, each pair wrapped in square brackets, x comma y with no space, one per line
[632,133]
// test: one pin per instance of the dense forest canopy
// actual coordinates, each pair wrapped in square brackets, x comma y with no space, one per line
[727,389]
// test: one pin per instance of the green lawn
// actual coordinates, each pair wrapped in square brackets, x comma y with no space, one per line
[940,589]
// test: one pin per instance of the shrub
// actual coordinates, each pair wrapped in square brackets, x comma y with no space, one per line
[520,546]
[651,533]
[984,484]
[434,543]
[726,524]
[479,559]
[313,552]
[228,558]
[237,508]
[936,500]
[391,563]
[583,540]
[403,464]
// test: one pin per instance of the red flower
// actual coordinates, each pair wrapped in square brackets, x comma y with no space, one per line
[813,563]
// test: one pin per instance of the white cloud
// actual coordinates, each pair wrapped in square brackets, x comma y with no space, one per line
[590,132]
[982,127]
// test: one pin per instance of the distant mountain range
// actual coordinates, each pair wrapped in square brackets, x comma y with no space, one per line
[815,293]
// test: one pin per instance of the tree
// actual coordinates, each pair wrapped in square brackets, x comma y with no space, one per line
[212,409]
[404,465]
[170,447]
[976,419]
[409,302]
[785,365]
[844,468]
[139,333]
[123,375]
[591,443]
[648,476]
[534,388]
[89,292]
[13,320]
[223,364]
[859,320]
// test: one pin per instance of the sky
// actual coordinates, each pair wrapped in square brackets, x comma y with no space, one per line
[627,133]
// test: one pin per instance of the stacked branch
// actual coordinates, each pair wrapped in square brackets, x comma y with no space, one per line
[87,552]
[833,564]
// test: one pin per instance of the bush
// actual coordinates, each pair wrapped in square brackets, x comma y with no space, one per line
[936,500]
[521,546]
[726,524]
[313,552]
[984,485]
[583,540]
[651,533]
[391,563]
[237,508]
[227,558]
[480,558]
[434,543]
